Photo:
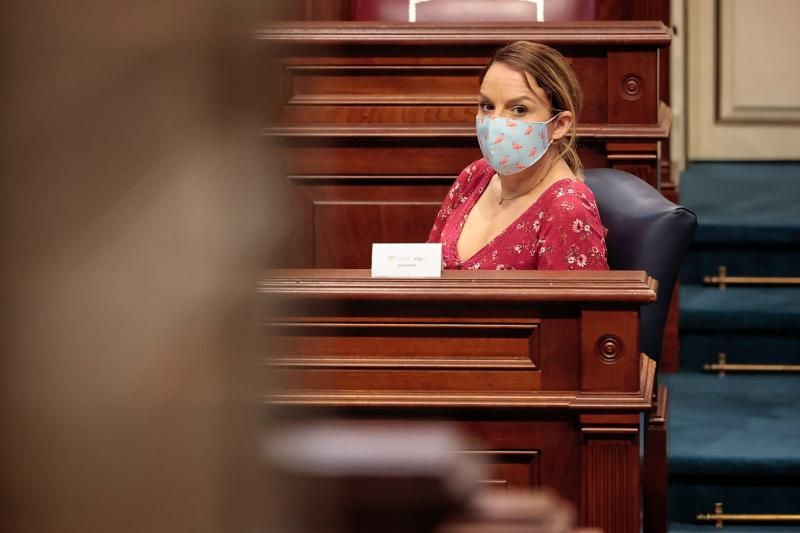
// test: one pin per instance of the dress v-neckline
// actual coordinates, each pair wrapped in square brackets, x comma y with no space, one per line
[471,204]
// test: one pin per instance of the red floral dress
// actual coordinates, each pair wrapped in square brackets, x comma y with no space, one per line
[561,230]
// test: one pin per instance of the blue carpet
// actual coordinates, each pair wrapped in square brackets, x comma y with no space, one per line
[740,308]
[691,528]
[744,202]
[735,425]
[750,260]
[733,439]
[741,347]
[688,498]
[736,439]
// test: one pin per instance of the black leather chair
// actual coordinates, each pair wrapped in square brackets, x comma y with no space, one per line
[646,232]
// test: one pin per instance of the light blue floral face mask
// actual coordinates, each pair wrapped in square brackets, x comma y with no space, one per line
[510,145]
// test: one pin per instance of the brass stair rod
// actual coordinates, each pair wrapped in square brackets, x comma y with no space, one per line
[720,517]
[723,279]
[722,366]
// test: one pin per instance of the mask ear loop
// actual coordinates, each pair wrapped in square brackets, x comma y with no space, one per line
[548,122]
[551,120]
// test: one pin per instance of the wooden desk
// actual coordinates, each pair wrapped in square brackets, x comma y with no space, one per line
[374,121]
[542,368]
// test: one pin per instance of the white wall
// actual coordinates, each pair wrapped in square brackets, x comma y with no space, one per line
[742,78]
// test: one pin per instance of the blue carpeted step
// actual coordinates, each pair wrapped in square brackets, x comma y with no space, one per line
[734,309]
[758,528]
[699,348]
[689,497]
[743,202]
[736,440]
[734,425]
[751,260]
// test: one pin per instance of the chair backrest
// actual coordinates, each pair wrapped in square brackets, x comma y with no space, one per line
[645,232]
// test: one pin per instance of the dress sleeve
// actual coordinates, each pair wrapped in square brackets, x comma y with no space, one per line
[457,194]
[572,235]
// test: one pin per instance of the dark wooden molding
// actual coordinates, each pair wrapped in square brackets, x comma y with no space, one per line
[617,33]
[567,286]
[633,402]
[396,363]
[578,401]
[524,355]
[655,470]
[307,178]
[604,132]
[658,415]
[601,132]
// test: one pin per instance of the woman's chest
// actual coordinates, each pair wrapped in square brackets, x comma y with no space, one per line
[484,224]
[505,244]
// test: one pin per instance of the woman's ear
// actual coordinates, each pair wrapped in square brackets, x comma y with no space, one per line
[562,125]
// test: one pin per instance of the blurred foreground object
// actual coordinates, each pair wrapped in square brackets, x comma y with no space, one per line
[397,477]
[133,224]
[515,511]
[369,477]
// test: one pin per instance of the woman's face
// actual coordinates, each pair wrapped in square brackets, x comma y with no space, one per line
[505,93]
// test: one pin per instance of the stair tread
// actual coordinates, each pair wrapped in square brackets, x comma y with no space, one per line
[753,528]
[741,260]
[736,308]
[716,229]
[733,426]
[744,202]
[700,348]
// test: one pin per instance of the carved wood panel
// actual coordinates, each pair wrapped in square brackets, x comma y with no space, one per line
[521,452]
[498,345]
[611,465]
[606,357]
[510,468]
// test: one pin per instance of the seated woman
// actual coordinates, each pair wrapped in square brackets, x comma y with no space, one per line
[524,205]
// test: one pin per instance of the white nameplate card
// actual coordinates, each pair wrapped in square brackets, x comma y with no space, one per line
[407,260]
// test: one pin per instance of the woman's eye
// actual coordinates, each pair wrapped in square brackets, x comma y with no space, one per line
[485,107]
[519,110]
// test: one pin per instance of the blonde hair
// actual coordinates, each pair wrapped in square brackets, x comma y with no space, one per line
[554,75]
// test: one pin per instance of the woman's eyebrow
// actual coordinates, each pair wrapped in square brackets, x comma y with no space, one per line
[519,99]
[513,101]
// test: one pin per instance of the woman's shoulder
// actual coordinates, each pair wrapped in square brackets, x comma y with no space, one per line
[474,173]
[574,191]
[470,179]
